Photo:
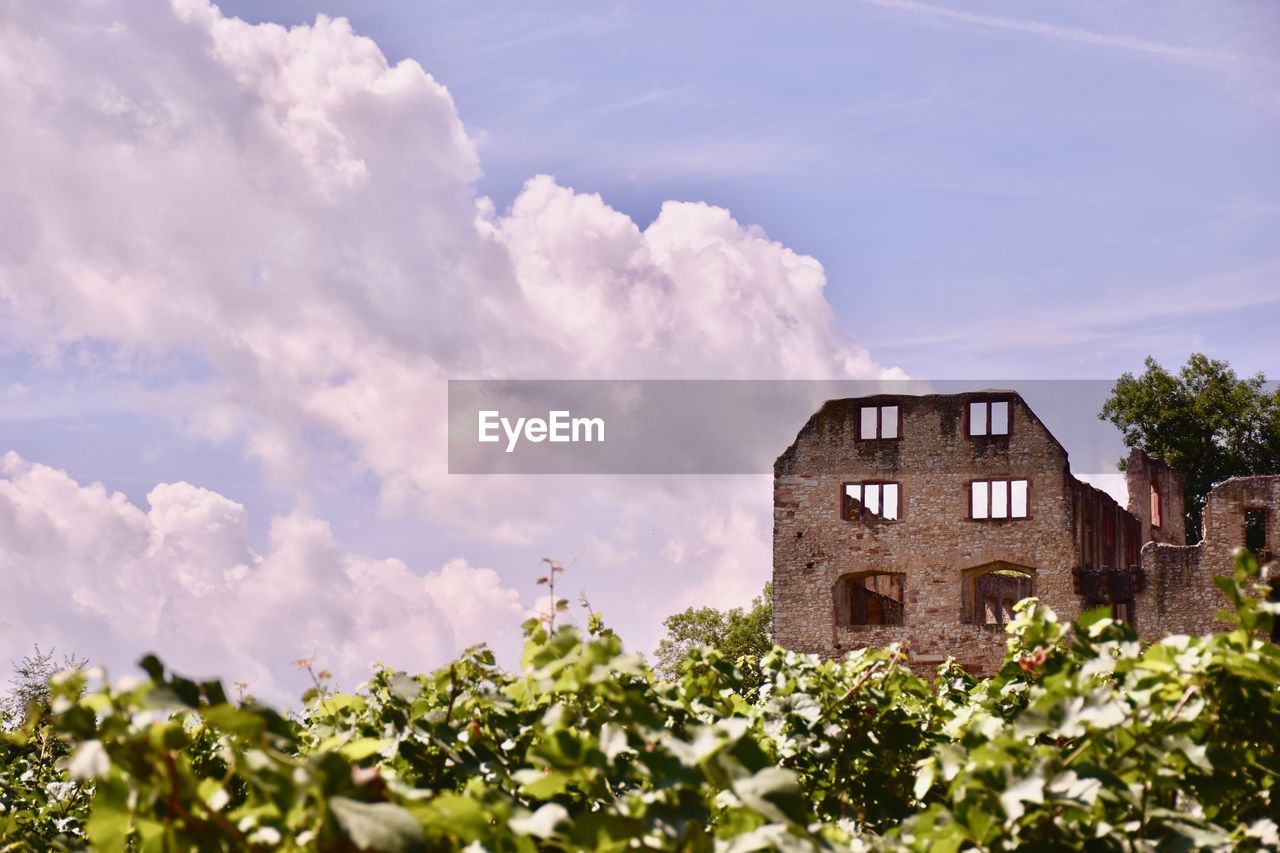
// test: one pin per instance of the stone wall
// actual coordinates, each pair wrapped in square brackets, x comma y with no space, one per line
[1180,596]
[1143,473]
[1076,548]
[935,546]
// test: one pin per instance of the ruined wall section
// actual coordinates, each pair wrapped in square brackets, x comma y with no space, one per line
[935,546]
[1180,595]
[1107,535]
[1142,472]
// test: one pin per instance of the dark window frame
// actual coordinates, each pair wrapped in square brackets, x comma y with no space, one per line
[879,436]
[1008,481]
[1261,512]
[1133,546]
[987,401]
[845,500]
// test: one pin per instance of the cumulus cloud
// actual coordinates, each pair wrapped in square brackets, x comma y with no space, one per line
[288,208]
[276,233]
[88,571]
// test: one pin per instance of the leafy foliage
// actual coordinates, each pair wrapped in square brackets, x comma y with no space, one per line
[1085,738]
[735,634]
[1205,421]
[40,808]
[29,686]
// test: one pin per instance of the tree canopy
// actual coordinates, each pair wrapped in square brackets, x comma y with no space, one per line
[1204,420]
[734,633]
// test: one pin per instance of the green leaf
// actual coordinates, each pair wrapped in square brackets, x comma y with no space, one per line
[377,826]
[540,824]
[774,792]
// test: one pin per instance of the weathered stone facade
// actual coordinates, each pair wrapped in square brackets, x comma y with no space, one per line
[1180,596]
[894,521]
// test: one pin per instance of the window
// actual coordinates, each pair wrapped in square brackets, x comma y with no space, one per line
[881,500]
[991,591]
[1156,508]
[1255,530]
[875,599]
[1132,546]
[989,417]
[999,611]
[878,422]
[991,500]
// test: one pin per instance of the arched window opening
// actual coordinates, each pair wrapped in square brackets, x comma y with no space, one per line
[991,591]
[873,598]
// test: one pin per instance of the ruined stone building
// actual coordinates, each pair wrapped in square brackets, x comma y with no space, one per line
[925,518]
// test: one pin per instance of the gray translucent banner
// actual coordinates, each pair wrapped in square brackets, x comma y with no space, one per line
[711,426]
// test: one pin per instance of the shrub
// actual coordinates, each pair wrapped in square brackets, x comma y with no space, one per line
[1085,739]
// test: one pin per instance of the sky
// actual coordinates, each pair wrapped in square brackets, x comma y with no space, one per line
[242,249]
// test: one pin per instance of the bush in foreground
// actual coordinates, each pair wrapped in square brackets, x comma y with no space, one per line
[1085,739]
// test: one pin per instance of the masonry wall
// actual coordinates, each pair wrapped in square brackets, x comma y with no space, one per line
[1078,546]
[1180,595]
[1142,472]
[937,549]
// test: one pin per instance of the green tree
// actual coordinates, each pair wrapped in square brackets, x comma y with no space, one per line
[1205,421]
[735,633]
[29,686]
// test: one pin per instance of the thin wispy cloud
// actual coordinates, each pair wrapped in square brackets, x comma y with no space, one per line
[1102,325]
[1079,35]
[651,97]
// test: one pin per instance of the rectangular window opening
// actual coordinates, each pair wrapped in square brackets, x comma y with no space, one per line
[888,421]
[977,419]
[870,424]
[877,500]
[979,495]
[1255,530]
[1157,519]
[1019,500]
[1000,418]
[999,499]
[871,498]
[876,422]
[891,505]
[988,417]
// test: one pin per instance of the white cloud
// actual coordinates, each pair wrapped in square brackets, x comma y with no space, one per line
[287,208]
[88,571]
[288,224]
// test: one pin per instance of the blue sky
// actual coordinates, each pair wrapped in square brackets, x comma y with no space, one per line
[1008,193]
[246,261]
